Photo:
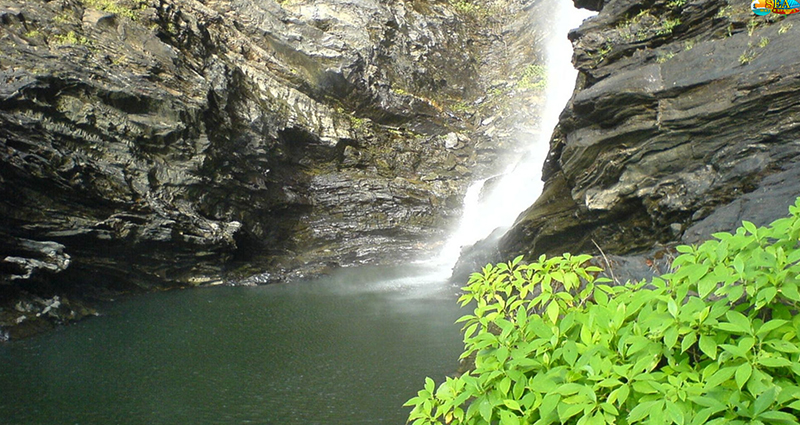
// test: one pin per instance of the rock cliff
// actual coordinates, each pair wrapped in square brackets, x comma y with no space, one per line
[149,144]
[684,122]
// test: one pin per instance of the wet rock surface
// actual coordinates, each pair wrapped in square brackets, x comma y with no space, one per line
[147,145]
[684,123]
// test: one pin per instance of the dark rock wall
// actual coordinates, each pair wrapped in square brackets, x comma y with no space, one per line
[684,122]
[149,144]
[190,128]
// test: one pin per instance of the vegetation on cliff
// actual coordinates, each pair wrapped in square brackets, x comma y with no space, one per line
[714,341]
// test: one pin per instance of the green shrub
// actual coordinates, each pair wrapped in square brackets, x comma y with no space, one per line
[715,341]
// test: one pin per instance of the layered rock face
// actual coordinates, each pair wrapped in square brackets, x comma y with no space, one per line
[683,123]
[155,144]
[152,144]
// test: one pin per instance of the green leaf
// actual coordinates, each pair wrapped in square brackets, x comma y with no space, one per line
[770,326]
[549,404]
[774,362]
[768,294]
[619,315]
[566,322]
[779,417]
[570,353]
[708,346]
[512,404]
[569,388]
[552,311]
[620,395]
[746,343]
[688,341]
[730,327]
[609,408]
[735,350]
[738,264]
[540,328]
[739,320]
[764,401]
[720,376]
[609,383]
[485,409]
[750,227]
[508,418]
[743,373]
[641,411]
[789,291]
[675,413]
[713,404]
[671,337]
[429,385]
[759,382]
[795,369]
[596,419]
[701,417]
[783,346]
[571,280]
[735,293]
[600,297]
[672,307]
[501,354]
[643,387]
[504,385]
[614,358]
[697,271]
[566,411]
[706,285]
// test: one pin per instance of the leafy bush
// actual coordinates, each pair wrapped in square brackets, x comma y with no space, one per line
[715,341]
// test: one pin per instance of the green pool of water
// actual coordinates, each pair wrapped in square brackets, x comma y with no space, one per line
[347,349]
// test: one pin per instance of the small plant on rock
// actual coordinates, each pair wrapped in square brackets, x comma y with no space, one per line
[746,57]
[533,77]
[70,38]
[466,7]
[667,26]
[127,8]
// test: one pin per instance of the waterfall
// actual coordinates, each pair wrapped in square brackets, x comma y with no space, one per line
[521,183]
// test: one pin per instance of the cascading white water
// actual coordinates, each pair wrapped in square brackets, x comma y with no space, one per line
[521,184]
